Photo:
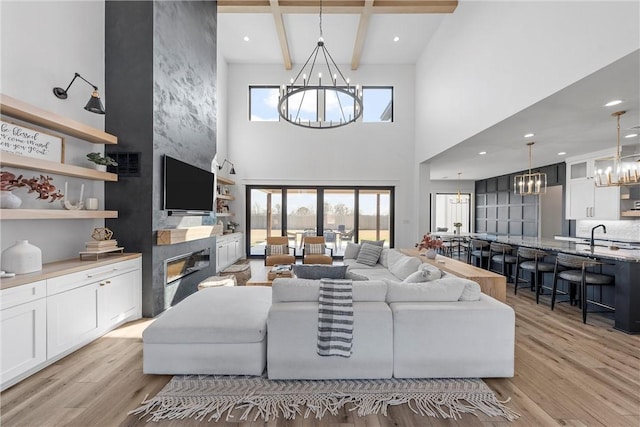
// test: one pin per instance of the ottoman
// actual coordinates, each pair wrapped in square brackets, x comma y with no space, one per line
[220,330]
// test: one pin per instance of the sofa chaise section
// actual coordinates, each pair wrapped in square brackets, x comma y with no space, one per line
[221,330]
[293,326]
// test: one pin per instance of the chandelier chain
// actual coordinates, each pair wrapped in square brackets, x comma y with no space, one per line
[321,18]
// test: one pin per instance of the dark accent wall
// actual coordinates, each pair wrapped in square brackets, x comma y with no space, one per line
[500,211]
[160,92]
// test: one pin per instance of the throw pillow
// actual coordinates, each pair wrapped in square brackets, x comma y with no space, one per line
[351,251]
[277,250]
[373,242]
[404,266]
[384,257]
[369,254]
[430,272]
[314,249]
[319,271]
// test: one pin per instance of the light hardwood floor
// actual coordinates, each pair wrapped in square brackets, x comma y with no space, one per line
[567,374]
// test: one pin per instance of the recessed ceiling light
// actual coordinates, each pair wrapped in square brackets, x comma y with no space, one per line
[631,135]
[482,153]
[245,38]
[445,177]
[562,153]
[396,38]
[529,135]
[612,103]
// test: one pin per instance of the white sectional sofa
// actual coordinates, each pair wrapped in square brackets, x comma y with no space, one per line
[440,327]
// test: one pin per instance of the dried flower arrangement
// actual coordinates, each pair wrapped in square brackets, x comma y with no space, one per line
[429,242]
[457,224]
[41,185]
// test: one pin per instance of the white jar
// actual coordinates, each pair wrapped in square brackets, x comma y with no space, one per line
[21,258]
[8,200]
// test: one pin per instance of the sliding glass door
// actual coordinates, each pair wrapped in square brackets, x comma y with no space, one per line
[340,214]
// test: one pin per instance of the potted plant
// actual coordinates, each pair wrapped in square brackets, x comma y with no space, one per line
[457,225]
[101,161]
[430,244]
[41,185]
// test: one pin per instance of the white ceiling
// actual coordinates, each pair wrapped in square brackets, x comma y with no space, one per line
[573,120]
[339,30]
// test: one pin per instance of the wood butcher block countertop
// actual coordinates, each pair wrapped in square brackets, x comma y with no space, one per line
[60,268]
[491,283]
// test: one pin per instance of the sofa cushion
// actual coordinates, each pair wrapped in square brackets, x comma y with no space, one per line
[355,276]
[351,251]
[319,271]
[434,291]
[355,265]
[297,290]
[403,266]
[471,290]
[384,257]
[223,314]
[369,254]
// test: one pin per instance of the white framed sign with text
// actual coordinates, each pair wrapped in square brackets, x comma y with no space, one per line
[24,141]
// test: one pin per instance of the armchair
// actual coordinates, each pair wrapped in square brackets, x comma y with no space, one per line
[277,251]
[315,251]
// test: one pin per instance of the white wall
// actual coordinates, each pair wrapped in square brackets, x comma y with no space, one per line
[489,60]
[358,154]
[43,45]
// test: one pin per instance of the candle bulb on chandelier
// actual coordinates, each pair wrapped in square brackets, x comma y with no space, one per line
[335,79]
[319,79]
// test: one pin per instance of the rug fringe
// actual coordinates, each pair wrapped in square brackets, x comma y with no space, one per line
[268,407]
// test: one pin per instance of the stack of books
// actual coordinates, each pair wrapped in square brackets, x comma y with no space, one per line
[101,245]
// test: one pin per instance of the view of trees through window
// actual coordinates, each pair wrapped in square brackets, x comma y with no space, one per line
[320,211]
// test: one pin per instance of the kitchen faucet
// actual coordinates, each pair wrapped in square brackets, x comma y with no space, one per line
[594,229]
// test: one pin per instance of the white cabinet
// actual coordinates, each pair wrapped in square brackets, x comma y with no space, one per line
[584,200]
[24,329]
[48,319]
[228,250]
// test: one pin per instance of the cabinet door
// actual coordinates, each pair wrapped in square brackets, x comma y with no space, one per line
[120,296]
[72,318]
[24,339]
[222,256]
[606,203]
[580,199]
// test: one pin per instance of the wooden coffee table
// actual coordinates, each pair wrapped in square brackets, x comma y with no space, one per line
[263,276]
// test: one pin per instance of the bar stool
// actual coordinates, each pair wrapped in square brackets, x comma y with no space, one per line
[477,249]
[501,253]
[576,274]
[529,259]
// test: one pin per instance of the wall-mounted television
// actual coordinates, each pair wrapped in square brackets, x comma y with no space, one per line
[187,188]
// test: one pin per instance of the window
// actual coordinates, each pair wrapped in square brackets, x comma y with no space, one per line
[377,104]
[324,105]
[263,104]
[341,214]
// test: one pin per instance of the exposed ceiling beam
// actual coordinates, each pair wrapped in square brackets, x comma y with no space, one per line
[361,35]
[338,6]
[282,34]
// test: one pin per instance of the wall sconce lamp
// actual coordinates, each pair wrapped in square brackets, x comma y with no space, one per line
[94,105]
[232,171]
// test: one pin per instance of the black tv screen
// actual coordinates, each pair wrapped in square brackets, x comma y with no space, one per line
[187,187]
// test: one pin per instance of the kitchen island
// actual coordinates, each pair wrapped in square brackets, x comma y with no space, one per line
[623,263]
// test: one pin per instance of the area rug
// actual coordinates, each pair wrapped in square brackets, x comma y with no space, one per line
[216,397]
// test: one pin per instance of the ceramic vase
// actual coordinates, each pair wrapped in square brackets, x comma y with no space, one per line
[458,230]
[22,258]
[431,253]
[101,168]
[8,200]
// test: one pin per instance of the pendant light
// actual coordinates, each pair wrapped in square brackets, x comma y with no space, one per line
[459,200]
[530,184]
[618,170]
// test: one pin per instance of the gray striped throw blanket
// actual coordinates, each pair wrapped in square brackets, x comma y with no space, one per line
[335,317]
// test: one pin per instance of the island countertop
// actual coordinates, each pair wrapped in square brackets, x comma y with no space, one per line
[601,250]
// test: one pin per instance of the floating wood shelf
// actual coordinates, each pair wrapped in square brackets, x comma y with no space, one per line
[55,214]
[29,113]
[225,197]
[225,181]
[171,236]
[630,213]
[23,162]
[224,214]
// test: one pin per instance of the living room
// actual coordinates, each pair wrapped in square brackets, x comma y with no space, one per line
[451,93]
